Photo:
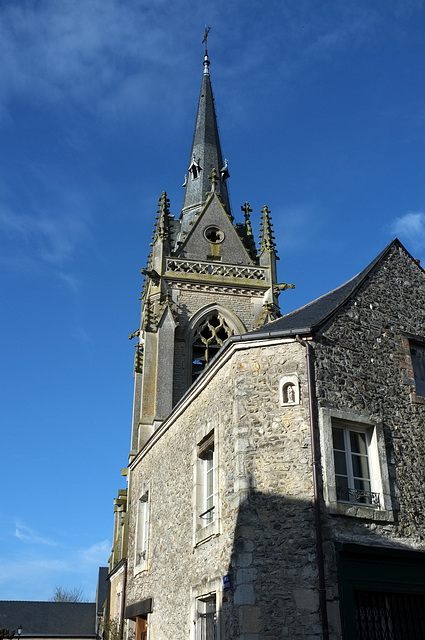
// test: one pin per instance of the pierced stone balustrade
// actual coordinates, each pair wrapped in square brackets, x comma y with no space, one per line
[194,268]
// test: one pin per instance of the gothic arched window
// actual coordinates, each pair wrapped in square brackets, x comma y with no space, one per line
[209,336]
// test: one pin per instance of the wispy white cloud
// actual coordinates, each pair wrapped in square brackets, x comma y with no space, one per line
[411,228]
[86,55]
[45,232]
[31,572]
[41,238]
[96,554]
[72,281]
[108,56]
[30,536]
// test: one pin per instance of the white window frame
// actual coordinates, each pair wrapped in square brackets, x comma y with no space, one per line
[201,594]
[201,622]
[208,480]
[377,459]
[206,511]
[142,532]
[355,494]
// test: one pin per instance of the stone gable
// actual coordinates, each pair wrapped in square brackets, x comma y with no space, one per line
[362,365]
[264,501]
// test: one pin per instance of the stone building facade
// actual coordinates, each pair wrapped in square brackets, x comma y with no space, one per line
[276,476]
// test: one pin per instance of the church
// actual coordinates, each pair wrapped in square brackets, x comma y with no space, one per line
[275,484]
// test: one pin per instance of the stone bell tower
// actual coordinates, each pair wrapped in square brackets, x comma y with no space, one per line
[205,280]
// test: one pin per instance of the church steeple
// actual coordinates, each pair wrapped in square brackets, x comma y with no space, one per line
[205,154]
[204,280]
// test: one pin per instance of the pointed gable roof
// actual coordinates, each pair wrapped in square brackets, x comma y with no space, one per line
[231,249]
[205,153]
[314,315]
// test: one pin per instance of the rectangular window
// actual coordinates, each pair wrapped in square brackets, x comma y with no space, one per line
[206,617]
[206,505]
[417,354]
[206,457]
[352,465]
[142,534]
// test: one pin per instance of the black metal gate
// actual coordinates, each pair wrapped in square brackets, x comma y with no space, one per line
[389,616]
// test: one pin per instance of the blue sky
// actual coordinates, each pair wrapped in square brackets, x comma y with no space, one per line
[321,108]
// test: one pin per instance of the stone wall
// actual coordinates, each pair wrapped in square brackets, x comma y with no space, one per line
[266,538]
[266,534]
[362,366]
[189,299]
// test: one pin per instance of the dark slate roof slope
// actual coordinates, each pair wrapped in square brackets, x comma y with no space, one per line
[315,314]
[72,619]
[102,589]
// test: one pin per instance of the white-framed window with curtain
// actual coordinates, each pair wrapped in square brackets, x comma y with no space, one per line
[351,447]
[142,533]
[354,464]
[206,617]
[206,508]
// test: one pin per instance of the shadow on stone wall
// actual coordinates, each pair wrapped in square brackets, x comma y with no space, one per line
[274,575]
[273,570]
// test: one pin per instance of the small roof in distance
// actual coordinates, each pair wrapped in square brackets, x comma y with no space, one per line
[72,619]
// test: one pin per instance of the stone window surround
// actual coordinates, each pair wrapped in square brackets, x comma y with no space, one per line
[203,533]
[213,234]
[232,320]
[116,591]
[406,342]
[210,335]
[144,497]
[377,460]
[207,588]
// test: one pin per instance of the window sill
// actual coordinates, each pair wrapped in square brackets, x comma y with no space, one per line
[141,568]
[360,511]
[206,533]
[416,399]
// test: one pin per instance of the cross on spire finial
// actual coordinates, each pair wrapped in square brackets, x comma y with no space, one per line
[206,61]
[246,209]
[207,30]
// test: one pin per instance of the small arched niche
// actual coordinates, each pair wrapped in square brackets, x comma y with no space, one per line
[289,390]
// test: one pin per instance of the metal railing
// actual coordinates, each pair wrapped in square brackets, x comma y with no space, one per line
[359,496]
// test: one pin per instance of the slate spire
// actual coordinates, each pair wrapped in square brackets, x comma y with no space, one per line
[205,154]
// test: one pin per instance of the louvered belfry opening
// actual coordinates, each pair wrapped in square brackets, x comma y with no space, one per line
[210,336]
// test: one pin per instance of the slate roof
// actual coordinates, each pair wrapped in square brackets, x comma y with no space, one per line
[315,314]
[102,589]
[44,619]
